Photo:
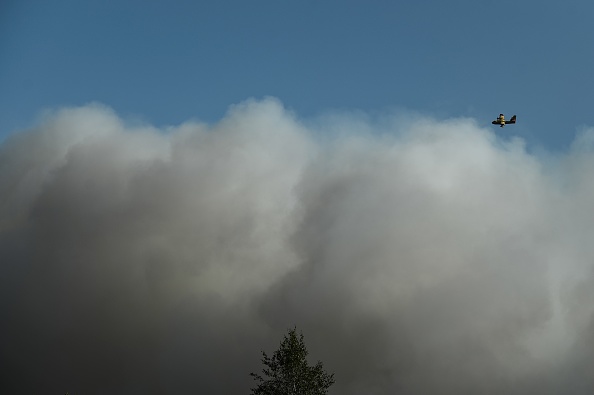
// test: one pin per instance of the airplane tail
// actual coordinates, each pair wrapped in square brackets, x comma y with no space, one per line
[512,119]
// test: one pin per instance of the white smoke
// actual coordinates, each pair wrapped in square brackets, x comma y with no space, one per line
[417,256]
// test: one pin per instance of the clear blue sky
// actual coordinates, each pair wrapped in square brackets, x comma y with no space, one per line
[169,61]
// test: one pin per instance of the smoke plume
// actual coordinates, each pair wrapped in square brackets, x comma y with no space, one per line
[415,255]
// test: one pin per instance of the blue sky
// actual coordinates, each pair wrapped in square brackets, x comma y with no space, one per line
[165,62]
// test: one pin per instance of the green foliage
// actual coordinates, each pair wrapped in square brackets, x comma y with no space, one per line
[288,373]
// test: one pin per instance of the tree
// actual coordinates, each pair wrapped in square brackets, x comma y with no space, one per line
[288,373]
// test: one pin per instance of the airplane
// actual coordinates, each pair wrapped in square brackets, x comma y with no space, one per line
[502,122]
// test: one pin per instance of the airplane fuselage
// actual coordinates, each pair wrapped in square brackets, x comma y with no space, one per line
[502,122]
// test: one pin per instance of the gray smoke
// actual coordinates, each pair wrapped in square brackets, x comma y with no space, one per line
[417,256]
